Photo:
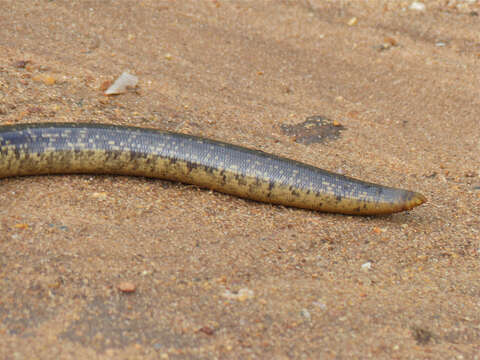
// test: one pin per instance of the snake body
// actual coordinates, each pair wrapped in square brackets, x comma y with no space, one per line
[67,148]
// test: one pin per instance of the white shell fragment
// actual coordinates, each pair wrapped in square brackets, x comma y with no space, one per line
[417,5]
[120,85]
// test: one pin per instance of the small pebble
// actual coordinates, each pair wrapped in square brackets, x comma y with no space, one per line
[127,287]
[306,314]
[353,21]
[417,6]
[45,78]
[207,330]
[21,64]
[100,195]
[366,266]
[378,230]
[242,295]
[391,41]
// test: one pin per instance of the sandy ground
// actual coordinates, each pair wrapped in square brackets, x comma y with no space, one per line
[221,277]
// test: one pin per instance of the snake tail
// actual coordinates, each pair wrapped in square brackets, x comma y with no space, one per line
[77,148]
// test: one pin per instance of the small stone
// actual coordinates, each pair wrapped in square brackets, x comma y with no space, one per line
[207,330]
[127,287]
[21,64]
[306,314]
[242,295]
[417,6]
[422,257]
[366,266]
[45,78]
[388,43]
[391,41]
[245,294]
[378,230]
[34,109]
[353,21]
[100,195]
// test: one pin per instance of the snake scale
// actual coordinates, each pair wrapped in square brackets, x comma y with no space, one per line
[68,148]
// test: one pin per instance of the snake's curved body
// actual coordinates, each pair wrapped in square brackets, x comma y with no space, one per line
[66,148]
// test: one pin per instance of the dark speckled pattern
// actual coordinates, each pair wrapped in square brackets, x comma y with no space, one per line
[62,148]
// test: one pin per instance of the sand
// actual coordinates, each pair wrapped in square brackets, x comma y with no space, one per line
[103,267]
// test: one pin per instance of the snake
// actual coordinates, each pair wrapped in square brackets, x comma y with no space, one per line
[94,148]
